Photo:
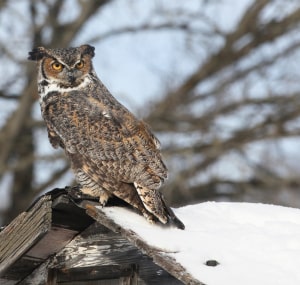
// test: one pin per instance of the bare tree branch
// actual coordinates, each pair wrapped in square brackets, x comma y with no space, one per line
[55,176]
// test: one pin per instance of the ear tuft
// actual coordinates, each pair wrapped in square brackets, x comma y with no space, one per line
[87,49]
[37,53]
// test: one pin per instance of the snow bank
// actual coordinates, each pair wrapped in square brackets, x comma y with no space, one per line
[252,243]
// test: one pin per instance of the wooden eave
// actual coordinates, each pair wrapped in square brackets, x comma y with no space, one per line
[39,242]
[43,230]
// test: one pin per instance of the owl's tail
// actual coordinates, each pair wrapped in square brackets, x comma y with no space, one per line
[149,202]
[155,204]
[172,219]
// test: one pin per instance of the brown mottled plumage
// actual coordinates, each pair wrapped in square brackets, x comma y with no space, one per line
[111,151]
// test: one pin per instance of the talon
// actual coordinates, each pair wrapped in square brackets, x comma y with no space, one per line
[103,199]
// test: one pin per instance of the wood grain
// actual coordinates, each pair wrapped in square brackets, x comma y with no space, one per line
[23,232]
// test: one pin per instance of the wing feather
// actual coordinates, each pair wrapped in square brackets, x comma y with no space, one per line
[106,134]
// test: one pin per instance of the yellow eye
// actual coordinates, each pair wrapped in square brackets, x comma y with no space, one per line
[57,66]
[80,64]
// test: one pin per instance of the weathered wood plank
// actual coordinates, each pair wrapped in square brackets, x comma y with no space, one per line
[7,282]
[23,232]
[38,277]
[96,246]
[39,233]
[51,243]
[105,252]
[94,273]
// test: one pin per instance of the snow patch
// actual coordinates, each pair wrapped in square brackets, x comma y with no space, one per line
[253,243]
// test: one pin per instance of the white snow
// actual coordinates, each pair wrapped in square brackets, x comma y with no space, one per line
[253,243]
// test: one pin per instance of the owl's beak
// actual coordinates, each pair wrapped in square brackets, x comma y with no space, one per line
[71,77]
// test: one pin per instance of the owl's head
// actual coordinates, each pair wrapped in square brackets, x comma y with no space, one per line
[65,67]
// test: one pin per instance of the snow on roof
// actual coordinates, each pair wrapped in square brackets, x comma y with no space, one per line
[246,243]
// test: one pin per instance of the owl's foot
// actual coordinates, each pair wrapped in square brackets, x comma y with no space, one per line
[103,198]
[97,192]
[76,194]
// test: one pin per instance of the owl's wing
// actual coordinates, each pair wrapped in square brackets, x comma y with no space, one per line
[105,132]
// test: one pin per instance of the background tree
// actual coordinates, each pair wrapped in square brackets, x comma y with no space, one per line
[222,85]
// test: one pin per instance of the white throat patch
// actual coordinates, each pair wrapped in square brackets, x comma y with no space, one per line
[54,87]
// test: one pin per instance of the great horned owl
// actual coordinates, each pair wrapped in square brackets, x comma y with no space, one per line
[111,151]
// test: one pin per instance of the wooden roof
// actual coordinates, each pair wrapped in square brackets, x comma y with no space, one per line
[64,237]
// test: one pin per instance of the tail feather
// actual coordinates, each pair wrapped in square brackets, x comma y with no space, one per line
[154,204]
[172,218]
